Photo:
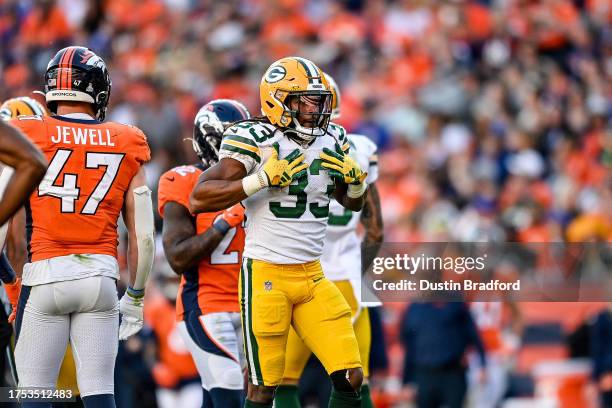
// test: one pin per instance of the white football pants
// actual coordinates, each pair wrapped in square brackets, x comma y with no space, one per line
[86,311]
[215,343]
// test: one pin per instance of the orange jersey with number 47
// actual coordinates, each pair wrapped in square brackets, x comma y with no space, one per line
[75,208]
[212,286]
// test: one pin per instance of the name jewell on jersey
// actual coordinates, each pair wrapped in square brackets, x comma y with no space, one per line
[284,225]
[82,136]
[79,201]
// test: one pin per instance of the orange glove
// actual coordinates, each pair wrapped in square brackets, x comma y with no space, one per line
[12,292]
[233,215]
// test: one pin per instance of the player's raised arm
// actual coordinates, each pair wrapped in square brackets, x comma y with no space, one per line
[138,217]
[29,163]
[219,187]
[227,183]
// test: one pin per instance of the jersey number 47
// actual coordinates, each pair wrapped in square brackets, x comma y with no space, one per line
[69,192]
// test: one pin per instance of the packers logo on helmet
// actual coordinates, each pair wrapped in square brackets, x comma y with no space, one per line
[295,94]
[20,106]
[275,74]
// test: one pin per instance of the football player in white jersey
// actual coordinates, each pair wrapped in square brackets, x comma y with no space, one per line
[285,167]
[342,263]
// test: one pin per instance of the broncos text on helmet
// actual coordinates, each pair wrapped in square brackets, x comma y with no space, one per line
[77,74]
[210,122]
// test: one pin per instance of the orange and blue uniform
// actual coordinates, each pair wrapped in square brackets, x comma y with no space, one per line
[91,164]
[207,303]
[69,282]
[212,286]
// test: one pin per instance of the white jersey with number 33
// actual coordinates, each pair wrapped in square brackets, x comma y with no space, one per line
[284,225]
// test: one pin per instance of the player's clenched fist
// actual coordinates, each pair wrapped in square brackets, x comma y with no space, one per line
[280,173]
[275,172]
[341,166]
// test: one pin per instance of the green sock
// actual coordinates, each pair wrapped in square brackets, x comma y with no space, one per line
[341,399]
[287,396]
[366,398]
[251,404]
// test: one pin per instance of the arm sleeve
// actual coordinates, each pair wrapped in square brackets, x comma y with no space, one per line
[242,147]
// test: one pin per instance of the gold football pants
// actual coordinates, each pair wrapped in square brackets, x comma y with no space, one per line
[297,353]
[275,297]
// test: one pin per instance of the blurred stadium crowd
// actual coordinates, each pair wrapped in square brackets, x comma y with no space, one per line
[492,117]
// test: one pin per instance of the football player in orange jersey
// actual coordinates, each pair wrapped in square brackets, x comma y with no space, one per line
[69,283]
[206,250]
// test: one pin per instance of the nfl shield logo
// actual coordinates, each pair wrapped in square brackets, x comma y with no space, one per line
[268,285]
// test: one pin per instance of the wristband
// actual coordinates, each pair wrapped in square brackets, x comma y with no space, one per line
[356,190]
[253,183]
[135,293]
[221,226]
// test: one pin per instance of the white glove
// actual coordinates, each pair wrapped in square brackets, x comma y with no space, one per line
[131,309]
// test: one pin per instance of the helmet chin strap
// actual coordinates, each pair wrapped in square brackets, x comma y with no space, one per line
[305,134]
